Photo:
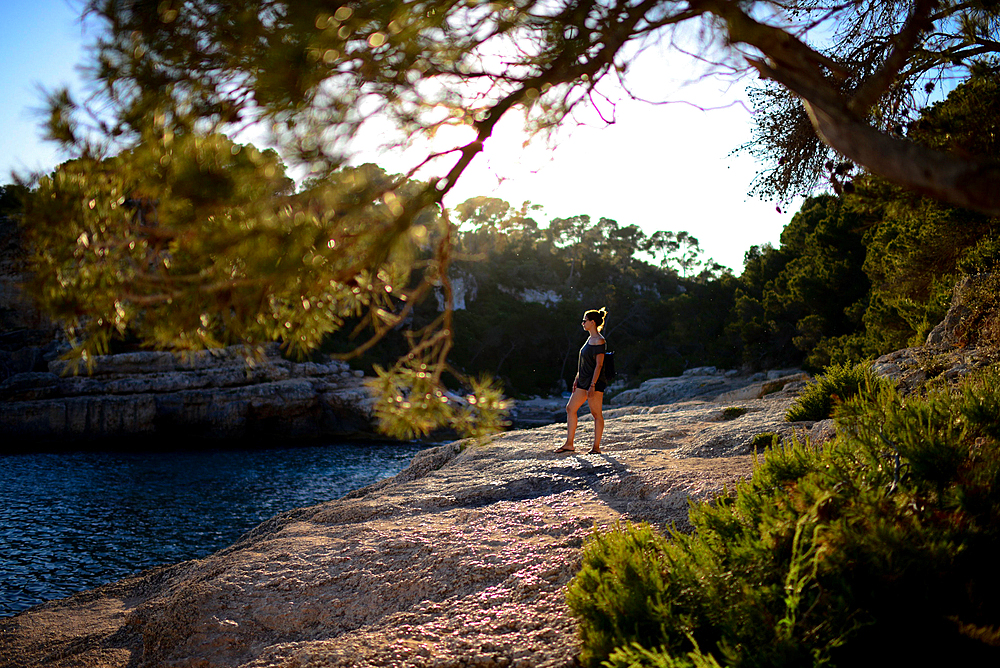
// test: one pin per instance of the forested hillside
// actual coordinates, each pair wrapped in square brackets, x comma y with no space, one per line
[522,287]
[858,273]
[870,269]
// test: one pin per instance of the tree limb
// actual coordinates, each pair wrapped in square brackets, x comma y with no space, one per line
[872,88]
[966,182]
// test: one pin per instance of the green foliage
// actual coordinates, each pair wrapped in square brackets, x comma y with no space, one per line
[620,596]
[763,441]
[12,198]
[981,325]
[202,245]
[782,127]
[574,264]
[861,275]
[918,248]
[963,42]
[163,230]
[837,384]
[793,298]
[637,656]
[888,532]
[733,412]
[411,404]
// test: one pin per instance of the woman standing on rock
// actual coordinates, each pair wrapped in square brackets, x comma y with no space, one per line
[588,386]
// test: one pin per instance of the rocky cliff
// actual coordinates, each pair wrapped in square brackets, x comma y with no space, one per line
[967,339]
[218,394]
[460,560]
[214,394]
[702,383]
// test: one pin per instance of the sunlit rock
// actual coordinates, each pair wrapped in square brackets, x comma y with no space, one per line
[705,383]
[462,559]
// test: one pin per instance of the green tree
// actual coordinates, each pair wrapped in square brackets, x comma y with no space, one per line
[919,247]
[488,223]
[681,251]
[574,263]
[660,324]
[850,101]
[795,299]
[875,549]
[12,198]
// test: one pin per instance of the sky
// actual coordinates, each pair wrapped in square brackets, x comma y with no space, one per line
[661,167]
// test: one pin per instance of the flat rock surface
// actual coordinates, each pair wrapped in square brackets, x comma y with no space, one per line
[460,560]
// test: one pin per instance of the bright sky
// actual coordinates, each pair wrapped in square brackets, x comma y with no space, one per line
[660,167]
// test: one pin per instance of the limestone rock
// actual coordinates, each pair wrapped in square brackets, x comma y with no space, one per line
[822,432]
[761,389]
[705,382]
[944,332]
[460,560]
[946,355]
[225,393]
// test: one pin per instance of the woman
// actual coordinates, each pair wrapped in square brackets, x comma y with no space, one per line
[588,386]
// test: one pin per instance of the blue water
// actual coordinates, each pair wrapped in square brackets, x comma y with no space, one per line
[74,521]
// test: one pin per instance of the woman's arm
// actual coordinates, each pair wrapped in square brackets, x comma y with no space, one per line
[597,373]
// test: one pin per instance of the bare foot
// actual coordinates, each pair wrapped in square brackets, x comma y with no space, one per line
[594,451]
[565,448]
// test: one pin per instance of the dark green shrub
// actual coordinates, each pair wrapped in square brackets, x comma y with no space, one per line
[839,383]
[764,440]
[733,412]
[877,549]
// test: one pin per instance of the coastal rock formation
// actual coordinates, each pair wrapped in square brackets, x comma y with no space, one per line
[223,393]
[703,383]
[460,560]
[961,343]
[215,394]
[707,382]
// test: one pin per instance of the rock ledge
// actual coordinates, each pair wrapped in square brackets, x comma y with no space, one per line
[218,394]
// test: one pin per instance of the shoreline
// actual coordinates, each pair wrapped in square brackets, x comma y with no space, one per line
[461,557]
[78,519]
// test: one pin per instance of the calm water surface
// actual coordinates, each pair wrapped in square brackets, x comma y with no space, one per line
[74,521]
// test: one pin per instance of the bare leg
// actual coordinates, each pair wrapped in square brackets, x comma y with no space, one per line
[572,406]
[596,402]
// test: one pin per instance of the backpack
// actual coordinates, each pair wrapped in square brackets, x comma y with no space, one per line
[608,370]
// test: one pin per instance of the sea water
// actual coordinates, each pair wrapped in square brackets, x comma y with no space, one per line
[72,521]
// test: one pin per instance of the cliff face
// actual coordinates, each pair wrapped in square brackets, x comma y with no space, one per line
[460,560]
[211,393]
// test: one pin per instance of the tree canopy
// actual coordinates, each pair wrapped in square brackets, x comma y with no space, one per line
[317,73]
[877,66]
[794,298]
[12,198]
[166,211]
[872,270]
